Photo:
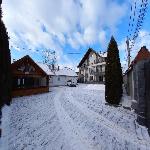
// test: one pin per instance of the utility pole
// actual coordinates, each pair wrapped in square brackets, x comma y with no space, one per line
[128,50]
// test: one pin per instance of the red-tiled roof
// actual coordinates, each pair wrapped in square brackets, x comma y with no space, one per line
[142,54]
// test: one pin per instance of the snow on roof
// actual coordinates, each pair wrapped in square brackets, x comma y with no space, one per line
[77,70]
[104,54]
[66,72]
[45,68]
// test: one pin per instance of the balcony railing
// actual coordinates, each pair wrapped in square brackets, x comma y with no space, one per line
[99,73]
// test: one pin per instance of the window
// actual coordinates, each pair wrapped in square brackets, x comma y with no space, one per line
[19,82]
[58,78]
[91,78]
[23,81]
[100,68]
[100,78]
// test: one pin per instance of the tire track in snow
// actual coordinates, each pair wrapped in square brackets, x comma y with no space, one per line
[76,137]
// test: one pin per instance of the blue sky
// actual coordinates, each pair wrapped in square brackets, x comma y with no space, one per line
[69,27]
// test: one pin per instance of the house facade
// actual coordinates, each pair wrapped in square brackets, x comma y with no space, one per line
[92,67]
[28,78]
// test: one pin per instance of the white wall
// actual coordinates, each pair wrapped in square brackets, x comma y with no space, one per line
[61,80]
[73,79]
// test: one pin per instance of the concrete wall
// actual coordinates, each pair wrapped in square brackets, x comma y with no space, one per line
[129,84]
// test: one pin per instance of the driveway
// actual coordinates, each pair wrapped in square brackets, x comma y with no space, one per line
[71,118]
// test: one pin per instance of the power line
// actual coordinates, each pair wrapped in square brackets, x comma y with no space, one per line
[131,38]
[140,20]
[48,55]
[73,53]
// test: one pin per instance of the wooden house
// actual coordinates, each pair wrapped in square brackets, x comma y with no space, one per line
[28,78]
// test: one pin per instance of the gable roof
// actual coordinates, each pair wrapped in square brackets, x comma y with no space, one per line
[25,59]
[86,55]
[104,54]
[142,55]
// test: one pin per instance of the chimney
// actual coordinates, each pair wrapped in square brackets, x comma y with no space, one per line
[144,47]
[52,66]
[49,66]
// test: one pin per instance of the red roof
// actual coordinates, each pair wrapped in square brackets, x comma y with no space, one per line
[142,54]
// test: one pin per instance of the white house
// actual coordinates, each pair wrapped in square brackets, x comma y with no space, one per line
[59,77]
[63,75]
[92,67]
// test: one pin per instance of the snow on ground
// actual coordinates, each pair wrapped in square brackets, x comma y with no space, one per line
[70,118]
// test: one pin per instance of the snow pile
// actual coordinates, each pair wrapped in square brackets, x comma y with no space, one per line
[95,87]
[126,101]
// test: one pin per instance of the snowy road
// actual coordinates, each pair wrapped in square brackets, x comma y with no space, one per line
[71,118]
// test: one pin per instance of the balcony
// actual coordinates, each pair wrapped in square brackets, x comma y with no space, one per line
[99,73]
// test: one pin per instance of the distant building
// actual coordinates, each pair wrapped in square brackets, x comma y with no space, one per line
[28,78]
[92,67]
[62,76]
[59,77]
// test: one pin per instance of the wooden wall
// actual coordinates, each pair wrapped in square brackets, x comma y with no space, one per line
[26,92]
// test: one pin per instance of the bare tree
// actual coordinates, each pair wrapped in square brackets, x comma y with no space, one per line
[49,57]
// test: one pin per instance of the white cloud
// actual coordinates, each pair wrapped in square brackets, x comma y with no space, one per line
[102,38]
[142,40]
[75,22]
[90,35]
